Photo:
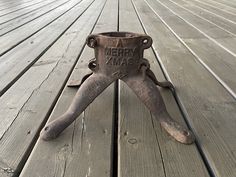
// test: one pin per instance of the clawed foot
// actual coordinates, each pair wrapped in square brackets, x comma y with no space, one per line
[179,133]
[47,134]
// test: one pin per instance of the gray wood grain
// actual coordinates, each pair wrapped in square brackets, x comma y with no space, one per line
[84,149]
[31,99]
[216,8]
[20,7]
[17,61]
[10,40]
[13,16]
[208,16]
[12,3]
[211,55]
[144,149]
[227,5]
[209,109]
[211,31]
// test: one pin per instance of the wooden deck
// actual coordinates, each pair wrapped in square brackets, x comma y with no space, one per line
[42,48]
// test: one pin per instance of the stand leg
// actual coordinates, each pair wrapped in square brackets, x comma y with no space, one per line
[148,93]
[78,83]
[87,92]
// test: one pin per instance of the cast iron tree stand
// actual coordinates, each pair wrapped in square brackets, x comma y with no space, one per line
[119,55]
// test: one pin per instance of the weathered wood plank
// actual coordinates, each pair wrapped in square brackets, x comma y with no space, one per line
[11,24]
[89,153]
[209,54]
[50,63]
[212,32]
[49,60]
[208,16]
[220,9]
[20,7]
[12,3]
[9,2]
[227,3]
[30,100]
[30,50]
[209,109]
[19,35]
[6,18]
[144,149]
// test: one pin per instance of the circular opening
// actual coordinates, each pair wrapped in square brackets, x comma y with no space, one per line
[92,65]
[120,34]
[92,42]
[186,133]
[145,41]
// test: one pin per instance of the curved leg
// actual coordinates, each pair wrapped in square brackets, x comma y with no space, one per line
[78,83]
[146,71]
[147,91]
[88,91]
[164,84]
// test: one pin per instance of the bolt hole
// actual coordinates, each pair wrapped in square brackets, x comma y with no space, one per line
[186,133]
[92,65]
[145,41]
[92,42]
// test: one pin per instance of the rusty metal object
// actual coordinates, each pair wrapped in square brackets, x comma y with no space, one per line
[119,55]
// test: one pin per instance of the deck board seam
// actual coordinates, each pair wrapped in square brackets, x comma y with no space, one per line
[116,109]
[21,8]
[32,93]
[33,143]
[227,5]
[217,15]
[8,20]
[159,147]
[12,47]
[8,2]
[40,55]
[179,103]
[233,34]
[229,90]
[206,35]
[215,7]
[14,5]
